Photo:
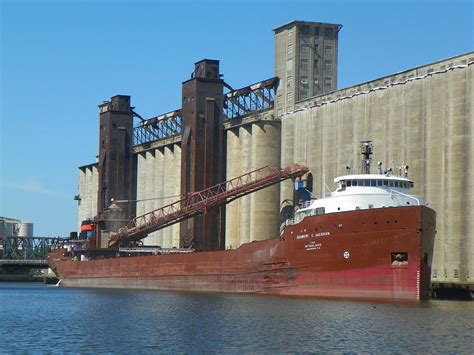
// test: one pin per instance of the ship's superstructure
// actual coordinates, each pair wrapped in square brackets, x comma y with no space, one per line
[363,191]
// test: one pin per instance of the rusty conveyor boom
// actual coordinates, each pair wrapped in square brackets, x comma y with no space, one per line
[202,201]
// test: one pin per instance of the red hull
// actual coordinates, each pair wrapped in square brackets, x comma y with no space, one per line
[339,255]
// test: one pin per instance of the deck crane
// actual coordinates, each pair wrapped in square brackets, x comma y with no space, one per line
[201,201]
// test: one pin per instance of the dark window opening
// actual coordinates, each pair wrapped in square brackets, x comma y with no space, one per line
[309,182]
[399,258]
[329,32]
[304,30]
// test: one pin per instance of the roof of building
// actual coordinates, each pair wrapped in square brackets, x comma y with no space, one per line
[89,165]
[295,23]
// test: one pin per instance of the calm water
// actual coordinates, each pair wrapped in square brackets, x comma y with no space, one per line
[38,318]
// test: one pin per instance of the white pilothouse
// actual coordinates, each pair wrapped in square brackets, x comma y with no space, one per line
[363,191]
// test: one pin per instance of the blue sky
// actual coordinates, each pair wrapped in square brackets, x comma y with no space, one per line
[60,59]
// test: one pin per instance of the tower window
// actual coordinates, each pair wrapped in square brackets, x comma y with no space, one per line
[327,65]
[327,81]
[328,50]
[304,64]
[289,49]
[329,32]
[304,48]
[304,30]
[316,31]
[303,94]
[289,96]
[279,100]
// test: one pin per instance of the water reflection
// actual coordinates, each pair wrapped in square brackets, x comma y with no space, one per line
[41,318]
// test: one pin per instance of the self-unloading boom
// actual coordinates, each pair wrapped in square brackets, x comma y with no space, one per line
[201,201]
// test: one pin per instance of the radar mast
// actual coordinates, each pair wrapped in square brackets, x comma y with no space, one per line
[366,150]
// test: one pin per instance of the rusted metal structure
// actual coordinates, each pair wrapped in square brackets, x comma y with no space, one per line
[202,152]
[238,103]
[203,201]
[159,127]
[253,98]
[116,177]
[199,124]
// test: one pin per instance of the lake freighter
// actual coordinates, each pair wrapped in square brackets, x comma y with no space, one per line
[369,239]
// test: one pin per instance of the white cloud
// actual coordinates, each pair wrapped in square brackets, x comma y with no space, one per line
[35,186]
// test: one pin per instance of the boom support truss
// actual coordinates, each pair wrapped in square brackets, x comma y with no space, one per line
[201,201]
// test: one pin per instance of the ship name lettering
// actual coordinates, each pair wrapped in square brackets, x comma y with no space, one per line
[313,235]
[321,234]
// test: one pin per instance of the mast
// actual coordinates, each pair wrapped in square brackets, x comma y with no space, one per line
[366,151]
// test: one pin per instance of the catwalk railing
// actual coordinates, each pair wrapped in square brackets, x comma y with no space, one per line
[237,104]
[201,201]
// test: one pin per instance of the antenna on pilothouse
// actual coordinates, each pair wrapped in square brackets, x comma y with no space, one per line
[366,150]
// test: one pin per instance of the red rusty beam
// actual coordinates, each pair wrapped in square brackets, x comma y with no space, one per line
[202,201]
